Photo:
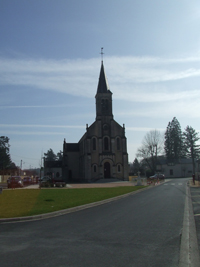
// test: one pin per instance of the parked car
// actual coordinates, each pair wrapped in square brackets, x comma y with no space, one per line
[14,181]
[45,181]
[157,176]
[42,178]
[58,181]
[53,182]
[27,181]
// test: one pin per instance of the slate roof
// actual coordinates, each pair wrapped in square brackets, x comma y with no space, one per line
[163,160]
[103,84]
[72,147]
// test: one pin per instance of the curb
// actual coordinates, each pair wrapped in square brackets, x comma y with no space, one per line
[69,210]
[189,251]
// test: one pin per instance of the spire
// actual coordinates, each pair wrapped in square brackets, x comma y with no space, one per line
[103,85]
[102,54]
[103,97]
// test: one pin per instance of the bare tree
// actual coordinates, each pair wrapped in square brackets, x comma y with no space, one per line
[152,146]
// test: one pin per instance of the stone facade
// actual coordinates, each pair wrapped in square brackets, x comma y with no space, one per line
[102,150]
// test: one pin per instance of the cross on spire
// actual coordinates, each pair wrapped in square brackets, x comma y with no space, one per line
[102,54]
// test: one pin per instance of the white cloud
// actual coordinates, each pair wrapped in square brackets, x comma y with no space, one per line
[179,108]
[34,133]
[40,126]
[143,129]
[35,106]
[139,79]
[20,126]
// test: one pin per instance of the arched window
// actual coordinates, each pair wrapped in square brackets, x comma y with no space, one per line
[95,168]
[94,143]
[106,143]
[106,105]
[118,168]
[118,143]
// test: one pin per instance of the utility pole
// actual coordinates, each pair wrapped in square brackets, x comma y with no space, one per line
[20,168]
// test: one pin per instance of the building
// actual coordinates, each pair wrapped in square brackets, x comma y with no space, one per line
[175,169]
[101,153]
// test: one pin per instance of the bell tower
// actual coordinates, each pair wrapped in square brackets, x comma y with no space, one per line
[103,97]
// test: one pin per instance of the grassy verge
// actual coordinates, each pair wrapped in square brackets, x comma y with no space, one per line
[17,203]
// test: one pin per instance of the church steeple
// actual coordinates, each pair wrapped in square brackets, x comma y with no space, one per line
[103,97]
[103,84]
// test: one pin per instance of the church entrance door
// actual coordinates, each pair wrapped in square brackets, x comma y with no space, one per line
[106,170]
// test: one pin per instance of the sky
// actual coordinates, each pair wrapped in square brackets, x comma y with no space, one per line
[50,63]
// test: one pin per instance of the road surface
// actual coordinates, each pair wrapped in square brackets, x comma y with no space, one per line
[142,229]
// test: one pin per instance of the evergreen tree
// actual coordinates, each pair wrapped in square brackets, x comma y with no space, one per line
[50,155]
[190,141]
[174,146]
[5,160]
[60,155]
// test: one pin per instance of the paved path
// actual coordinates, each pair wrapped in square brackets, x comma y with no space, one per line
[101,183]
[87,185]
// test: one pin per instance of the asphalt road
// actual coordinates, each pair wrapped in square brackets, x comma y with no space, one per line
[139,230]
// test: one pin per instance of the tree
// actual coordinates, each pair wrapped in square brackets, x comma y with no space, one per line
[60,155]
[50,155]
[5,160]
[152,146]
[136,166]
[190,141]
[174,147]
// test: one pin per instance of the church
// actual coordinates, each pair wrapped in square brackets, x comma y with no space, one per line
[101,153]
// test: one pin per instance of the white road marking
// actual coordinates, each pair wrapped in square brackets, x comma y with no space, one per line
[173,184]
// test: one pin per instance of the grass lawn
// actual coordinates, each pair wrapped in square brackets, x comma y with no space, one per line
[26,202]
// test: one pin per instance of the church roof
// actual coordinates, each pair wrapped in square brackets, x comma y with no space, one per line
[103,84]
[72,147]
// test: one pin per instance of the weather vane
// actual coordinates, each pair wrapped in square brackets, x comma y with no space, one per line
[102,54]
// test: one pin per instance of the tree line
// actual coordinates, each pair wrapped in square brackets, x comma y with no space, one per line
[5,159]
[51,156]
[174,145]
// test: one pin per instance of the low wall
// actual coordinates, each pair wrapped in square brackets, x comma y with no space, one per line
[3,178]
[132,177]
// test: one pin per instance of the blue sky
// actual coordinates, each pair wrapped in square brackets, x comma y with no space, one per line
[50,63]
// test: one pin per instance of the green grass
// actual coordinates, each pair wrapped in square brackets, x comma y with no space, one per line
[18,203]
